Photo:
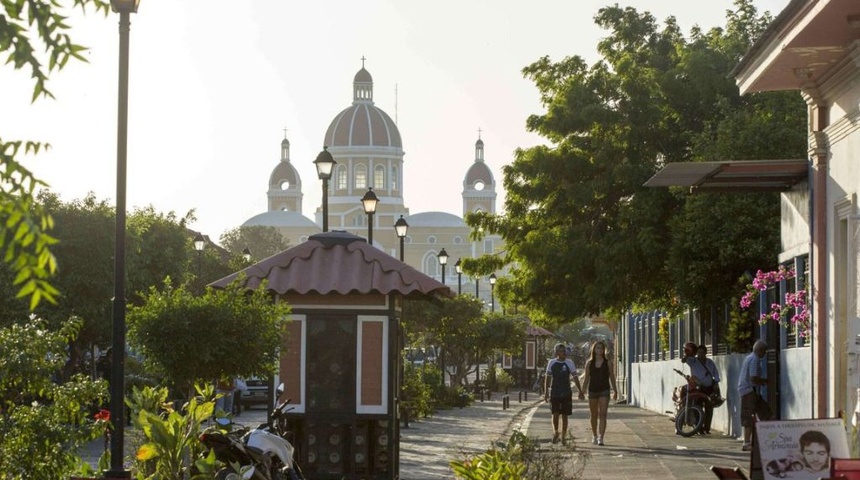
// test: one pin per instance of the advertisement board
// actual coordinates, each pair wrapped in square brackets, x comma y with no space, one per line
[800,449]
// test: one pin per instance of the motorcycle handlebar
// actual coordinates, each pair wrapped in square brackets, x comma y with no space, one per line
[281,409]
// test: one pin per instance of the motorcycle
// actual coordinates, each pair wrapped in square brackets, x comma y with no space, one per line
[689,414]
[263,453]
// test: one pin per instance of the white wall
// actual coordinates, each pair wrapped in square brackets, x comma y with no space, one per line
[653,382]
[796,383]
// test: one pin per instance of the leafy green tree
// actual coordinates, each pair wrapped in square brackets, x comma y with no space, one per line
[24,225]
[43,423]
[84,255]
[583,235]
[462,331]
[222,333]
[263,242]
[159,246]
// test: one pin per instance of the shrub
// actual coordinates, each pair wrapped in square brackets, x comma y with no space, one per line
[44,424]
[415,393]
[497,379]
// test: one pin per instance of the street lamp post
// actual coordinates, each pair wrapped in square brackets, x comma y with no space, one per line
[477,282]
[443,260]
[400,228]
[324,163]
[370,201]
[199,244]
[117,381]
[459,269]
[492,295]
[246,254]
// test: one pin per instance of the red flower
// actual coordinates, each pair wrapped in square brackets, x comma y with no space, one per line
[103,414]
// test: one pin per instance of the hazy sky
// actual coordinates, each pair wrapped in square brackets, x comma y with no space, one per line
[214,83]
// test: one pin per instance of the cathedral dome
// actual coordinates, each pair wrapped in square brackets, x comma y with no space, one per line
[278,218]
[362,124]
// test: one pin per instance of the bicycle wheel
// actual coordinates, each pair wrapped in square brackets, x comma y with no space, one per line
[689,421]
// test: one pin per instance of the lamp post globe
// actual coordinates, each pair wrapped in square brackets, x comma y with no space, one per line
[246,254]
[199,242]
[400,228]
[369,201]
[443,260]
[459,269]
[324,164]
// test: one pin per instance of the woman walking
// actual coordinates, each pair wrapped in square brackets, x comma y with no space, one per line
[599,379]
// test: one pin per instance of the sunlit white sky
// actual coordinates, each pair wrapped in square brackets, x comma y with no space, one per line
[213,83]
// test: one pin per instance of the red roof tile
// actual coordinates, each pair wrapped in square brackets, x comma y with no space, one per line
[336,262]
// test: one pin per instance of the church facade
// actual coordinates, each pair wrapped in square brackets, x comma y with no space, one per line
[367,146]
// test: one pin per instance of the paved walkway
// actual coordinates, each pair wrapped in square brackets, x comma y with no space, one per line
[642,444]
[639,444]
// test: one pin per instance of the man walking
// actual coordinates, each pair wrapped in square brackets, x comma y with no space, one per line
[750,377]
[559,371]
[707,378]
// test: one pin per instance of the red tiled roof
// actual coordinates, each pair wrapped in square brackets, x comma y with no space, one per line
[336,262]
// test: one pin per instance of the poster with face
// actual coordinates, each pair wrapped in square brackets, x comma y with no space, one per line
[800,449]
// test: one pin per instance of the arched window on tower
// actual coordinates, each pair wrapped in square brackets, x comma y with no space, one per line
[379,177]
[360,177]
[393,177]
[341,177]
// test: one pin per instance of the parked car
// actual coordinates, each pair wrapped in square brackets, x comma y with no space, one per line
[255,393]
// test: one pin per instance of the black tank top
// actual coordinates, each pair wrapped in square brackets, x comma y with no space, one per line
[598,378]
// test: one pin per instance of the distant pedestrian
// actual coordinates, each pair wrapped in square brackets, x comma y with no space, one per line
[707,377]
[241,388]
[599,379]
[559,371]
[750,377]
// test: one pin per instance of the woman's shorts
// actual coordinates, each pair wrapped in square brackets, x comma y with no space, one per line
[596,395]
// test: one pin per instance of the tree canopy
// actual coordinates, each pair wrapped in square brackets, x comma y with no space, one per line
[582,232]
[223,333]
[262,241]
[465,334]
